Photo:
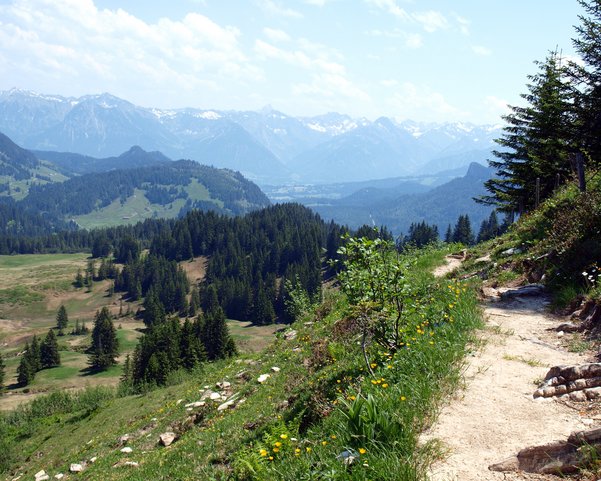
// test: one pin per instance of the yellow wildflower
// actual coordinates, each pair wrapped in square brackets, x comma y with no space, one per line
[362,450]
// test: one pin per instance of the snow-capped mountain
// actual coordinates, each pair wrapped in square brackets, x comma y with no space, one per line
[266,145]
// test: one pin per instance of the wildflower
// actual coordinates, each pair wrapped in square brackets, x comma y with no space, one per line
[308,448]
[283,436]
[263,452]
[403,398]
[362,450]
[385,385]
[277,444]
[373,365]
[297,451]
[271,458]
[389,366]
[352,398]
[276,450]
[323,443]
[333,436]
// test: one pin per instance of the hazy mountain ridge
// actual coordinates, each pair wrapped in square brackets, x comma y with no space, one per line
[267,145]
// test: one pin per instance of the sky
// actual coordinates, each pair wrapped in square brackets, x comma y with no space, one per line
[424,60]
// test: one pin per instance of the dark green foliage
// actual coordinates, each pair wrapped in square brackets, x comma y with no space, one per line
[536,142]
[421,234]
[49,355]
[62,319]
[154,312]
[588,80]
[462,232]
[33,353]
[101,246]
[127,250]
[27,367]
[105,346]
[2,371]
[489,229]
[79,280]
[448,237]
[79,329]
[215,335]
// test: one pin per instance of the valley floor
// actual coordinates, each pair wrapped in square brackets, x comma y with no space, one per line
[496,415]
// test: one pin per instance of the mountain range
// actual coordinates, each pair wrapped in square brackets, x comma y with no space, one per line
[267,146]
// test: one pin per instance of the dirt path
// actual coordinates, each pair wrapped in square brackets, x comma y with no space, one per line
[495,415]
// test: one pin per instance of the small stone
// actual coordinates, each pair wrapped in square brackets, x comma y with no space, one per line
[131,464]
[126,450]
[166,439]
[189,409]
[93,459]
[179,401]
[560,334]
[206,387]
[578,396]
[223,384]
[59,476]
[215,396]
[124,439]
[290,335]
[275,369]
[195,404]
[76,468]
[41,476]
[263,377]
[154,420]
[226,405]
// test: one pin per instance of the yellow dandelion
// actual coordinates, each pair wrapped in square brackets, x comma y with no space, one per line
[373,365]
[362,450]
[323,443]
[271,458]
[276,450]
[308,448]
[284,436]
[277,444]
[333,436]
[385,385]
[403,398]
[263,452]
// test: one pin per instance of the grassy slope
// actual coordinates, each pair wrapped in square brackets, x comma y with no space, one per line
[32,287]
[298,406]
[137,208]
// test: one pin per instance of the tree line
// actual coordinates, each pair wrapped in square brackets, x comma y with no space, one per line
[554,136]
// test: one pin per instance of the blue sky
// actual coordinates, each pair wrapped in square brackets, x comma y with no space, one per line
[425,60]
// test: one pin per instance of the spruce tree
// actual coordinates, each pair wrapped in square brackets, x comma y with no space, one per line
[448,238]
[61,320]
[216,336]
[49,355]
[33,353]
[536,143]
[463,231]
[25,371]
[105,346]
[2,372]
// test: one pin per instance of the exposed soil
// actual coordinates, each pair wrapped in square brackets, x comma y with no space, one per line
[495,415]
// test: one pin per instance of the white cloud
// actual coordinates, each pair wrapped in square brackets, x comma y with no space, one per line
[273,8]
[72,44]
[391,7]
[431,20]
[482,51]
[411,101]
[276,35]
[463,23]
[389,83]
[410,40]
[495,107]
[317,3]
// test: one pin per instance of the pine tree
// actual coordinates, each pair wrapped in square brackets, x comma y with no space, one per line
[25,370]
[215,335]
[535,144]
[61,320]
[33,353]
[463,231]
[194,302]
[105,346]
[49,355]
[79,280]
[2,372]
[587,78]
[448,238]
[127,376]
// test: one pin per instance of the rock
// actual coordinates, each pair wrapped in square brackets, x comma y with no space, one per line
[578,396]
[275,369]
[559,457]
[490,292]
[226,405]
[41,476]
[93,459]
[567,327]
[347,457]
[196,404]
[524,291]
[560,334]
[131,464]
[124,439]
[75,468]
[290,335]
[512,251]
[179,401]
[126,450]
[215,396]
[59,476]
[223,385]
[166,439]
[593,393]
[263,377]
